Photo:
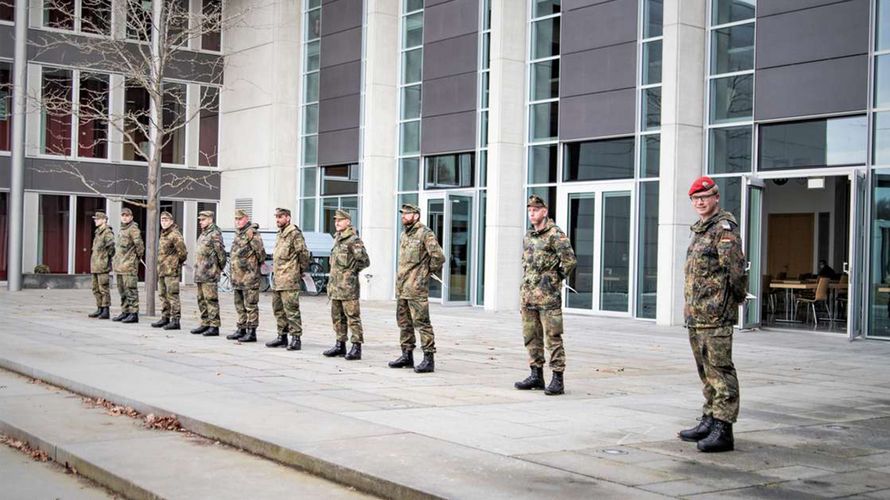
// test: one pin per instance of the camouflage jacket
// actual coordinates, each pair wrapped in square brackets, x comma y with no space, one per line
[247,255]
[290,258]
[714,263]
[547,259]
[171,252]
[348,258]
[129,249]
[210,255]
[419,256]
[103,250]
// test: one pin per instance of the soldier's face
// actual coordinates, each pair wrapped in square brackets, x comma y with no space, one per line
[241,222]
[126,219]
[166,223]
[536,215]
[99,222]
[705,204]
[282,220]
[409,218]
[203,222]
[341,224]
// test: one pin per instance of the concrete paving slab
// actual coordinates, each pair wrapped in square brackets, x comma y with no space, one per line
[23,478]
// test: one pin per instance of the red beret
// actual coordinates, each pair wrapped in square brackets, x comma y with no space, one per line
[703,183]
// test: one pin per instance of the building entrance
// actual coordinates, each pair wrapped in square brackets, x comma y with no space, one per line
[450,216]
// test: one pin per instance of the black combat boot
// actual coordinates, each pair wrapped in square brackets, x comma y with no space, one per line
[96,313]
[355,352]
[250,336]
[236,334]
[720,438]
[161,322]
[428,365]
[295,343]
[533,381]
[201,329]
[339,349]
[120,316]
[698,432]
[406,360]
[281,341]
[211,331]
[556,385]
[131,318]
[172,325]
[105,314]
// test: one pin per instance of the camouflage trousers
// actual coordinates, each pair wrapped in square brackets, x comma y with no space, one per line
[102,289]
[414,314]
[286,306]
[208,303]
[540,329]
[712,348]
[126,288]
[247,306]
[347,315]
[168,291]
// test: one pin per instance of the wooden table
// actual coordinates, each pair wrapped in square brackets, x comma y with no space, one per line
[790,286]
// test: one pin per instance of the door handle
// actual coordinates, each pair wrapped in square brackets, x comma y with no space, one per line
[846,268]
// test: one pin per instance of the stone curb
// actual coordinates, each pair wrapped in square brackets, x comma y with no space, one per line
[359,480]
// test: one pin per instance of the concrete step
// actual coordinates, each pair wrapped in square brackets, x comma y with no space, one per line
[120,453]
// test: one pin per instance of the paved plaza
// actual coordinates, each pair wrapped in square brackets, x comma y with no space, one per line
[815,418]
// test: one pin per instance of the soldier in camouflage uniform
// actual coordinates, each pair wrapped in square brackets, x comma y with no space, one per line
[419,256]
[210,260]
[246,257]
[171,256]
[715,285]
[547,259]
[100,265]
[128,251]
[348,258]
[289,259]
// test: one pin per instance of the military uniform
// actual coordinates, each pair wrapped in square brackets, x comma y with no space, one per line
[247,256]
[128,251]
[210,260]
[100,266]
[348,258]
[419,256]
[714,287]
[289,259]
[171,256]
[547,259]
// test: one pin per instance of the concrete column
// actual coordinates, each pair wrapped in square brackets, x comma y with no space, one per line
[30,238]
[682,134]
[506,198]
[380,123]
[189,226]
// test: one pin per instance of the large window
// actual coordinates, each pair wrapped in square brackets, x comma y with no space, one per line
[542,150]
[92,124]
[86,16]
[210,36]
[52,232]
[174,117]
[5,105]
[208,127]
[135,122]
[879,290]
[599,160]
[449,171]
[56,111]
[7,13]
[814,143]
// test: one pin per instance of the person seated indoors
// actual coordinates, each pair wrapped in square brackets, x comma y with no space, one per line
[825,271]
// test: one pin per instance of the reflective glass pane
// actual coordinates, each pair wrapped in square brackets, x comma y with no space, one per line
[651,108]
[411,102]
[412,66]
[882,37]
[486,50]
[480,250]
[815,143]
[541,8]
[409,174]
[650,155]
[483,168]
[581,223]
[410,137]
[339,179]
[599,160]
[412,5]
[307,215]
[314,3]
[449,171]
[647,251]
[311,87]
[92,127]
[413,31]
[542,164]
[732,49]
[882,81]
[879,290]
[731,98]
[310,119]
[313,24]
[652,63]
[460,249]
[545,38]
[310,188]
[731,195]
[544,80]
[483,129]
[313,55]
[543,121]
[729,150]
[310,150]
[730,11]
[485,90]
[615,265]
[653,12]
[435,220]
[882,139]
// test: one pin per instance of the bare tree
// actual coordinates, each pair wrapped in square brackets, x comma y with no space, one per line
[150,45]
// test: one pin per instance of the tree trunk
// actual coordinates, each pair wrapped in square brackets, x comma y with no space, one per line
[155,139]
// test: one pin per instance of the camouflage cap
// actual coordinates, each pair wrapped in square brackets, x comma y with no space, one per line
[205,214]
[282,211]
[536,201]
[166,215]
[239,212]
[342,214]
[100,215]
[126,211]
[408,208]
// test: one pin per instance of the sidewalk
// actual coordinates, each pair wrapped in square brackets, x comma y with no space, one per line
[815,408]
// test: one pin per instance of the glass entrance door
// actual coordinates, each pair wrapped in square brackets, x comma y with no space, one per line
[450,217]
[435,220]
[856,314]
[752,231]
[598,221]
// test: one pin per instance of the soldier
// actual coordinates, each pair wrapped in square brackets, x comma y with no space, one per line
[348,258]
[547,259]
[715,285]
[210,260]
[291,256]
[419,256]
[171,256]
[247,256]
[127,254]
[100,265]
